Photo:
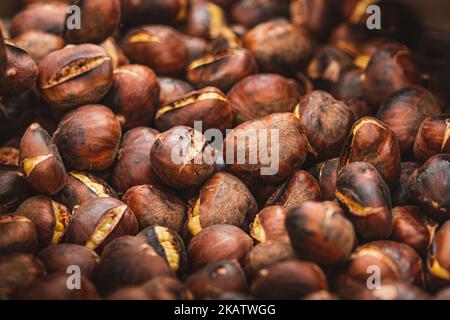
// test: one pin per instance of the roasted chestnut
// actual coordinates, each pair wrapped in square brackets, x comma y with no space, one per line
[374,142]
[172,89]
[292,279]
[208,106]
[320,232]
[432,138]
[401,195]
[197,47]
[325,174]
[223,199]
[129,261]
[327,123]
[269,224]
[218,242]
[49,217]
[205,20]
[155,207]
[116,54]
[159,47]
[361,190]
[93,125]
[75,76]
[41,162]
[98,221]
[404,111]
[14,190]
[438,262]
[182,157]
[17,234]
[262,94]
[38,44]
[429,187]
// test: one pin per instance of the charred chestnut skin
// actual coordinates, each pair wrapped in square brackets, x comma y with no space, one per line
[262,94]
[374,142]
[432,137]
[413,227]
[327,123]
[49,217]
[320,232]
[15,189]
[172,89]
[222,199]
[438,263]
[41,162]
[17,235]
[153,206]
[219,276]
[366,198]
[55,287]
[404,111]
[291,279]
[279,46]
[59,257]
[325,174]
[269,224]
[218,242]
[75,76]
[98,221]
[132,166]
[82,186]
[300,187]
[159,47]
[132,257]
[208,105]
[429,187]
[93,125]
[133,95]
[194,159]
[100,19]
[18,271]
[38,44]
[292,147]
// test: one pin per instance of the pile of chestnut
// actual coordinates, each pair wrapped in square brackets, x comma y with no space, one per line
[89,118]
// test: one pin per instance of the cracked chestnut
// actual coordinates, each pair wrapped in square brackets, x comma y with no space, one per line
[269,224]
[433,137]
[438,261]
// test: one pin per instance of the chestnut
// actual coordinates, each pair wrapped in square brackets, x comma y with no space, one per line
[319,232]
[59,258]
[429,187]
[152,206]
[49,217]
[82,186]
[17,234]
[279,46]
[55,287]
[438,262]
[115,52]
[390,69]
[432,137]
[401,195]
[132,166]
[9,156]
[218,242]
[18,271]
[14,190]
[325,174]
[372,141]
[38,44]
[412,227]
[288,148]
[197,47]
[133,95]
[182,157]
[223,199]
[269,224]
[168,244]
[300,187]
[74,76]
[41,161]
[168,11]
[159,47]
[348,86]
[393,261]
[292,279]
[221,70]
[361,190]
[49,16]
[327,123]
[98,221]
[267,253]
[393,291]
[172,89]
[262,94]
[205,20]
[208,105]
[100,19]
[219,276]
[129,261]
[404,111]
[251,13]
[93,125]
